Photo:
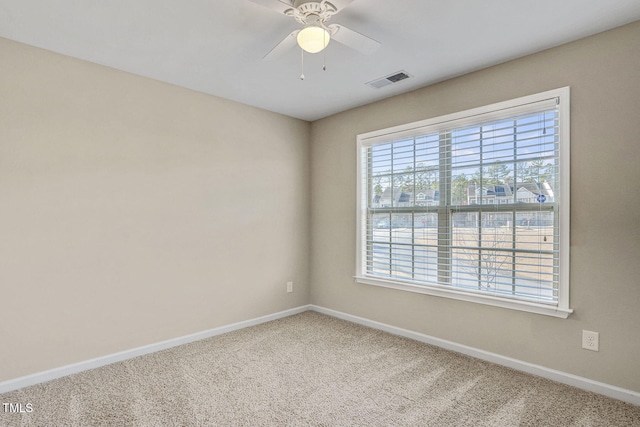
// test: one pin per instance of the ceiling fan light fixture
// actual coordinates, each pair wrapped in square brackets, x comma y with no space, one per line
[313,38]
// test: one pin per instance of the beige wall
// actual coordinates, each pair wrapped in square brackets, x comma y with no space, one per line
[604,74]
[132,211]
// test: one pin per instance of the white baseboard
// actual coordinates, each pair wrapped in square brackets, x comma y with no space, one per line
[625,395]
[52,374]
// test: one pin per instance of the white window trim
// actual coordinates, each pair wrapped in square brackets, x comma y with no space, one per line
[561,310]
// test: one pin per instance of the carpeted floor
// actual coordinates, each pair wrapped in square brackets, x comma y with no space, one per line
[310,370]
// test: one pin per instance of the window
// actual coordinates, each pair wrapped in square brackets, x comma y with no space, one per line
[496,229]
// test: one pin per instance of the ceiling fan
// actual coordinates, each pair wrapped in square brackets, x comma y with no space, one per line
[316,34]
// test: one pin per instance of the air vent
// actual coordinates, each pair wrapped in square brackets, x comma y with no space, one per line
[388,80]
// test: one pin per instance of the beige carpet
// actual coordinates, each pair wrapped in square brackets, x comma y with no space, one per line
[310,370]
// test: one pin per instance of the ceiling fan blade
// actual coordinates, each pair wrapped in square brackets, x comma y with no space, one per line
[286,44]
[353,39]
[280,6]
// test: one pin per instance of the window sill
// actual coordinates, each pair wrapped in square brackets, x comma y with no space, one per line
[531,307]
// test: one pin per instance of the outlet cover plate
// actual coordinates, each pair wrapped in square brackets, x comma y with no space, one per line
[590,340]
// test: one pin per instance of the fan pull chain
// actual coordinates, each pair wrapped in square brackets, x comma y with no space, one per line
[302,64]
[324,52]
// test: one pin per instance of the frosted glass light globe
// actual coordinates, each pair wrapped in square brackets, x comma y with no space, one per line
[313,38]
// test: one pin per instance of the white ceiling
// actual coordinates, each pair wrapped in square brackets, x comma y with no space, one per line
[217,46]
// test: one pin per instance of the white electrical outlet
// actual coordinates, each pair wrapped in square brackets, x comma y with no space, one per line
[289,286]
[590,340]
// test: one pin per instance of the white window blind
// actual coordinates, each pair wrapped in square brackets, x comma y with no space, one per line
[472,205]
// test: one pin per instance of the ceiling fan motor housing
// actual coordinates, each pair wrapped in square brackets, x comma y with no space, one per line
[307,12]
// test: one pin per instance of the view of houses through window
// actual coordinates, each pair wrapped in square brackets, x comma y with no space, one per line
[473,207]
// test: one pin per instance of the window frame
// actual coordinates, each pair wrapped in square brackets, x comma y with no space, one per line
[365,140]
